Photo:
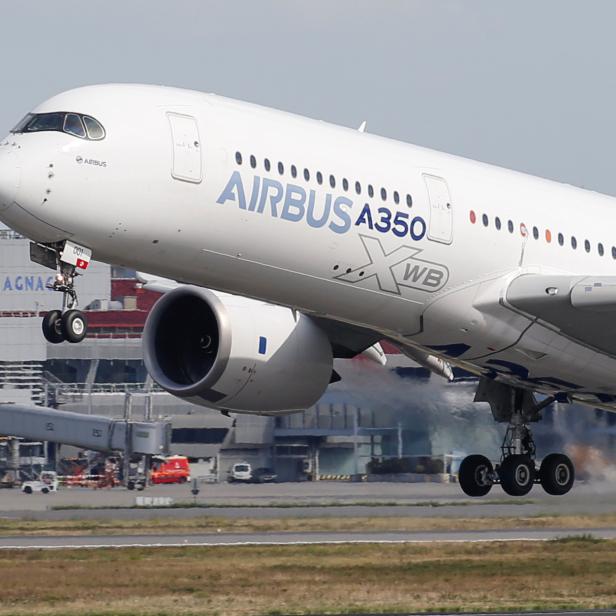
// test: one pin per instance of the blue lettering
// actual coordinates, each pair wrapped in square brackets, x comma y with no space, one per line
[48,282]
[19,285]
[418,228]
[342,214]
[7,284]
[365,218]
[254,194]
[296,202]
[310,217]
[383,225]
[233,189]
[274,199]
[29,283]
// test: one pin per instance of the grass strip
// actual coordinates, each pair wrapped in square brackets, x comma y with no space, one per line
[576,573]
[211,524]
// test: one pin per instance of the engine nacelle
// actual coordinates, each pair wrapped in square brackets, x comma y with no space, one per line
[234,353]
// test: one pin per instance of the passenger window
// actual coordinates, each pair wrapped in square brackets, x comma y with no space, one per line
[497,223]
[358,188]
[345,184]
[370,190]
[396,197]
[238,158]
[573,242]
[586,245]
[510,226]
[485,220]
[266,164]
[600,249]
[74,126]
[307,175]
[536,233]
[332,181]
[409,200]
[613,252]
[561,239]
[293,171]
[319,178]
[280,168]
[253,162]
[383,194]
[96,132]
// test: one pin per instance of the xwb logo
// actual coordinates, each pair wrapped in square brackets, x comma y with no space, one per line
[397,269]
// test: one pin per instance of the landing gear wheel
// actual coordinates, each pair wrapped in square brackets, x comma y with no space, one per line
[557,474]
[52,327]
[74,325]
[474,475]
[517,475]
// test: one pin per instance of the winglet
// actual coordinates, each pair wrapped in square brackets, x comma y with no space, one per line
[362,127]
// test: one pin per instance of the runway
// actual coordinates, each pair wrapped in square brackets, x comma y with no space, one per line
[290,538]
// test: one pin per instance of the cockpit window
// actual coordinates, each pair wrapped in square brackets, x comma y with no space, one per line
[78,125]
[45,122]
[94,128]
[73,125]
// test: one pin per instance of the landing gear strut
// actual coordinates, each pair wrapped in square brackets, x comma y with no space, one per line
[68,324]
[517,471]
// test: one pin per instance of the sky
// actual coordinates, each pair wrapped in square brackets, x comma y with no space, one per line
[524,84]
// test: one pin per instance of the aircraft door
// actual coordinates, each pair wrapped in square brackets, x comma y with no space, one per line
[187,162]
[440,228]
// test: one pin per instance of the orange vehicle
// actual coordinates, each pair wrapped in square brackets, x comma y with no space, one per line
[172,469]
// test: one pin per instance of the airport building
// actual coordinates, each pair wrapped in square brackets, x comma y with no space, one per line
[372,417]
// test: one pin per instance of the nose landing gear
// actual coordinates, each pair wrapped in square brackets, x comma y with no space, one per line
[68,324]
[517,471]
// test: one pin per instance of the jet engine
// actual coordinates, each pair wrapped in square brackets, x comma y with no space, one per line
[234,353]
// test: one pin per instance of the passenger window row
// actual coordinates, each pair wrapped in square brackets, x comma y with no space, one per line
[324,179]
[547,235]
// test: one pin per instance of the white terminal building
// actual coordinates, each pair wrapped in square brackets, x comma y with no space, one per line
[372,417]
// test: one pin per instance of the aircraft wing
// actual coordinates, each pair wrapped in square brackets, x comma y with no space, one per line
[580,307]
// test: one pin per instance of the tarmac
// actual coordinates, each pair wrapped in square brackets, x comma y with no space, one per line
[306,499]
[290,538]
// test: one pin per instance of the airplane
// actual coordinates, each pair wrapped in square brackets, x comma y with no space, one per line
[282,242]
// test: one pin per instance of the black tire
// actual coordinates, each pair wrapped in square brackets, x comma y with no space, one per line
[45,490]
[557,474]
[28,490]
[474,475]
[517,475]
[130,485]
[74,326]
[183,480]
[52,327]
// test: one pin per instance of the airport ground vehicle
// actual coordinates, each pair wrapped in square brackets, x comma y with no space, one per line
[47,482]
[245,473]
[172,469]
[240,472]
[264,475]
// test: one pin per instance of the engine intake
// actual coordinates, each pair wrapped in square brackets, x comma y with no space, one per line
[233,353]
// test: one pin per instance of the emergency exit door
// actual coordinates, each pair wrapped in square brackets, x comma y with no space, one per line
[440,227]
[187,162]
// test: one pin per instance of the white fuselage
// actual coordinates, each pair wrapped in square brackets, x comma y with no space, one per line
[165,192]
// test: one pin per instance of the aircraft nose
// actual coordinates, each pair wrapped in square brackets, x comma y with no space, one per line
[9,178]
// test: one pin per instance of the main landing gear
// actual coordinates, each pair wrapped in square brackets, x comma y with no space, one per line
[517,471]
[68,324]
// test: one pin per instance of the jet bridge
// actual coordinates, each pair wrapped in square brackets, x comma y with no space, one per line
[93,432]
